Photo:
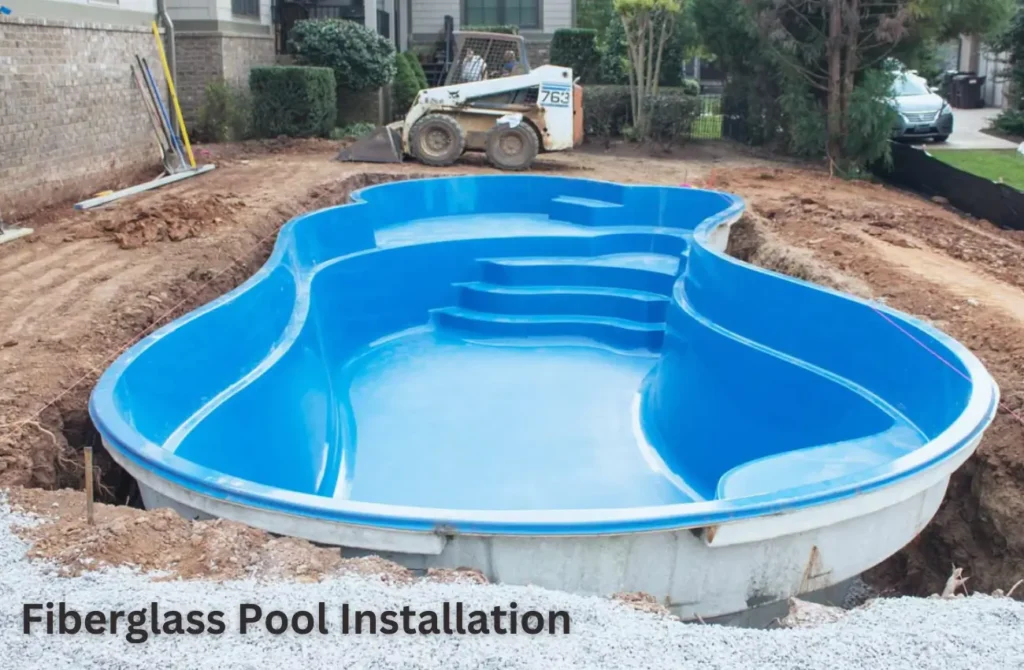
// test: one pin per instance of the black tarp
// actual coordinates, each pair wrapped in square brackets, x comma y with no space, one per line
[981,198]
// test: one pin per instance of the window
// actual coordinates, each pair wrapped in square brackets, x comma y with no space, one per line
[907,85]
[522,13]
[246,7]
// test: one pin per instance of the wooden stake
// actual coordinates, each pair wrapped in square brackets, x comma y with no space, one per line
[88,485]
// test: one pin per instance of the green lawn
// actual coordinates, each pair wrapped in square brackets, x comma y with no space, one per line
[996,164]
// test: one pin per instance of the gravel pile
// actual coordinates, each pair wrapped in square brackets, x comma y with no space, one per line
[977,633]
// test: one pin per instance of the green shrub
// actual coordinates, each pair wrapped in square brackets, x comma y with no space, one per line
[670,116]
[361,59]
[505,30]
[1010,122]
[406,87]
[293,101]
[576,48]
[606,114]
[353,130]
[225,115]
[596,14]
[417,66]
[614,64]
[605,111]
[690,86]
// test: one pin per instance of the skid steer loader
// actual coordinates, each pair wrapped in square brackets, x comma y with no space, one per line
[490,101]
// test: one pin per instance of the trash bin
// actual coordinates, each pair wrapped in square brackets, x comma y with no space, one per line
[966,91]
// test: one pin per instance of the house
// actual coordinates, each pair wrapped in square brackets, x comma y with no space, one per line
[968,53]
[72,119]
[418,22]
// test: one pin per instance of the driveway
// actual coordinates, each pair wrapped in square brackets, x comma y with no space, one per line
[967,126]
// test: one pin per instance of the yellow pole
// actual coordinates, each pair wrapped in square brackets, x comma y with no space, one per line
[174,95]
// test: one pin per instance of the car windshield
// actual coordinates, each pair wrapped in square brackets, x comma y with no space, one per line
[905,85]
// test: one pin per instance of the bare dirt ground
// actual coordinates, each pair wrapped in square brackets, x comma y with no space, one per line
[87,285]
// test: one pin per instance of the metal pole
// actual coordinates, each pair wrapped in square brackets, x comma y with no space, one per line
[88,486]
[172,55]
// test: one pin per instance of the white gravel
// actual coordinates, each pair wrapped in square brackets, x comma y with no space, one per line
[977,633]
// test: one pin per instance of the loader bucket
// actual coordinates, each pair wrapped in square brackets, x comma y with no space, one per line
[384,145]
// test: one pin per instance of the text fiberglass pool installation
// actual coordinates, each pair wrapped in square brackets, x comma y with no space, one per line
[557,381]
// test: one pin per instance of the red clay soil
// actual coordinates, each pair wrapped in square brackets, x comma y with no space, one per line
[88,285]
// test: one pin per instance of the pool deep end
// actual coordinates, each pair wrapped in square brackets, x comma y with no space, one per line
[557,381]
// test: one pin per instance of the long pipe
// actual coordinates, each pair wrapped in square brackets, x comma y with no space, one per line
[174,95]
[172,55]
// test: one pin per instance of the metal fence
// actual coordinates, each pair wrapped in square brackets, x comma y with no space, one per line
[708,125]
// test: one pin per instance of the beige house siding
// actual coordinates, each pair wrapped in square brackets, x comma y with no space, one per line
[428,16]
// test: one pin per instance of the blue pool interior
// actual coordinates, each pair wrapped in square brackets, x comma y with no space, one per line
[522,343]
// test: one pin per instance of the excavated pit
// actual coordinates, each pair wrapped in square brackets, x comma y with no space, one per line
[975,528]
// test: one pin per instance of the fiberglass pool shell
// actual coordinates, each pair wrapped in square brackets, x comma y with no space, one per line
[524,355]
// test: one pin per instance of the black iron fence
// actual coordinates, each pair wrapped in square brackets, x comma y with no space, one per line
[708,124]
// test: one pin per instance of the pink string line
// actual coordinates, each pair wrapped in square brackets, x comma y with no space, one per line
[952,367]
[1002,405]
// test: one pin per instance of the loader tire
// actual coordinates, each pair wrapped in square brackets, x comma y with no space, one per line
[437,139]
[511,148]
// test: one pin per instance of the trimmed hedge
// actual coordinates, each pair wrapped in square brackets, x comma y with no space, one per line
[417,66]
[607,113]
[507,30]
[293,101]
[406,86]
[671,114]
[577,48]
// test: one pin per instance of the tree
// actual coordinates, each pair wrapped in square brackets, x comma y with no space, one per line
[827,44]
[648,26]
[1011,41]
[361,59]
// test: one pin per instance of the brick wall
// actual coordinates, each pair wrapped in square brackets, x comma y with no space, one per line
[72,120]
[206,57]
[538,51]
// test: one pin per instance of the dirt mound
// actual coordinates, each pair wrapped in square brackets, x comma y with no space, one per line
[239,151]
[163,541]
[174,221]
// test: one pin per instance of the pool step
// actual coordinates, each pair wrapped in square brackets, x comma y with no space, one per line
[619,333]
[655,273]
[632,304]
[586,211]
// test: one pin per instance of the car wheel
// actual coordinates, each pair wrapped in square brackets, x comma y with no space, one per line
[941,138]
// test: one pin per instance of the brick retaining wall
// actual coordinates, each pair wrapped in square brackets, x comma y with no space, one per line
[72,120]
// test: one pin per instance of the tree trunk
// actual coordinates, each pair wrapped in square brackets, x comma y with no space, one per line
[667,24]
[852,60]
[629,27]
[835,76]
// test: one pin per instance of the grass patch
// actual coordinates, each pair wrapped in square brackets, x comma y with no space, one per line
[1005,165]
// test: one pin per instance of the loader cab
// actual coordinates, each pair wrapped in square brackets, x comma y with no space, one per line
[478,56]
